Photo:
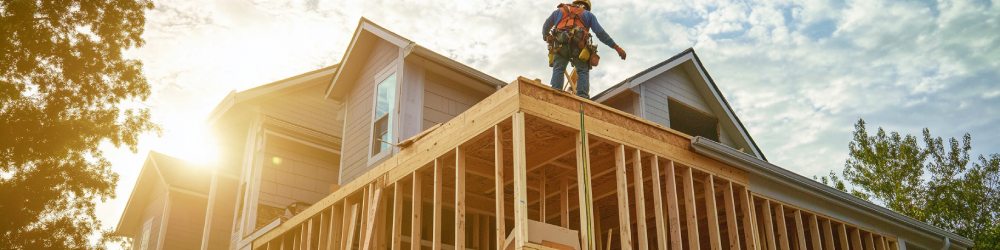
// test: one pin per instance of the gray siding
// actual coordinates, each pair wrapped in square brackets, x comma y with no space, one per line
[301,174]
[307,108]
[444,99]
[186,222]
[357,127]
[153,210]
[676,84]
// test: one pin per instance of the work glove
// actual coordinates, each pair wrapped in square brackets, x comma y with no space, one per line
[621,52]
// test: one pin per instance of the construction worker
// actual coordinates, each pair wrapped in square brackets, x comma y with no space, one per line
[567,31]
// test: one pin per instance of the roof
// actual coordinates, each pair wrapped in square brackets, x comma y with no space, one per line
[235,99]
[774,173]
[363,42]
[165,171]
[672,62]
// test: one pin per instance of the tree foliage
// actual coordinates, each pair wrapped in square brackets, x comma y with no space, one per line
[65,88]
[930,180]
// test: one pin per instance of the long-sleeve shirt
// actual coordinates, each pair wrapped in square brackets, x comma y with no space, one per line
[589,20]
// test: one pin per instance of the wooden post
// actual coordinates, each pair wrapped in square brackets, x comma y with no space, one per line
[501,230]
[828,234]
[749,220]
[673,209]
[782,233]
[691,209]
[564,203]
[640,200]
[869,242]
[624,223]
[336,226]
[438,197]
[351,227]
[397,216]
[817,242]
[879,242]
[373,207]
[711,211]
[842,232]
[855,238]
[586,199]
[800,230]
[541,196]
[734,231]
[323,228]
[416,204]
[520,184]
[768,225]
[661,226]
[459,198]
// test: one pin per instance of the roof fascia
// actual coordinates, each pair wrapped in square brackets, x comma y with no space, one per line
[644,76]
[748,163]
[725,104]
[234,99]
[143,173]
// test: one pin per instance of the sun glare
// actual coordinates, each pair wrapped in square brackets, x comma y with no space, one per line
[192,143]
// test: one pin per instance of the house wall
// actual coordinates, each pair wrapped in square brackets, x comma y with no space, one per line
[153,210]
[444,99]
[358,106]
[676,84]
[307,108]
[186,221]
[293,172]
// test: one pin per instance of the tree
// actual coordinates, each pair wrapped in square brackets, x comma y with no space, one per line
[933,182]
[65,88]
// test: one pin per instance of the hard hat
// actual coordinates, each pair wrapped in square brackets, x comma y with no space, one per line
[586,3]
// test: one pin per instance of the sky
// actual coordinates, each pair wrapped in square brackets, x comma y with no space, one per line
[799,74]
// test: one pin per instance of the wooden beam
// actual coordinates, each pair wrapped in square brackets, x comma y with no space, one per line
[782,233]
[500,229]
[712,212]
[828,235]
[731,225]
[817,242]
[323,229]
[855,238]
[749,220]
[349,241]
[768,225]
[459,198]
[415,211]
[541,196]
[373,207]
[673,209]
[336,226]
[879,242]
[661,226]
[640,201]
[842,232]
[800,230]
[397,216]
[869,241]
[624,223]
[438,197]
[691,210]
[520,183]
[585,198]
[564,202]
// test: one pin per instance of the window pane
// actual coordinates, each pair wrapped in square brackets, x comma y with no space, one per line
[386,96]
[385,99]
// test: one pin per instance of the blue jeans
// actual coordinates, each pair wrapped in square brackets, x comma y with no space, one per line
[582,72]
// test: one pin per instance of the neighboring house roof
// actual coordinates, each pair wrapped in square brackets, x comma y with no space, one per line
[168,172]
[235,99]
[829,194]
[675,61]
[364,40]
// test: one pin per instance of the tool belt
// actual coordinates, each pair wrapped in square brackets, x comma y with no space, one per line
[572,43]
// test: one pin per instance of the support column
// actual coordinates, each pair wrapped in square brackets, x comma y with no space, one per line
[501,230]
[586,199]
[661,226]
[415,236]
[459,198]
[640,201]
[520,183]
[624,222]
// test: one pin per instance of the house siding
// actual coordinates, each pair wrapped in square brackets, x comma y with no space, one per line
[308,109]
[676,84]
[294,172]
[154,211]
[186,221]
[444,99]
[357,128]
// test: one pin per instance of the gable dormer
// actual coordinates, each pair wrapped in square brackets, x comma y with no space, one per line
[678,93]
[393,89]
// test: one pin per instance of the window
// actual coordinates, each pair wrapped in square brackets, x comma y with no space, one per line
[146,228]
[691,121]
[382,121]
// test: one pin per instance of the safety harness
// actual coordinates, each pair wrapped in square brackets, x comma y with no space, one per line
[571,36]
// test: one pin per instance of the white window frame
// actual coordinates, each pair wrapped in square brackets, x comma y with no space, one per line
[388,71]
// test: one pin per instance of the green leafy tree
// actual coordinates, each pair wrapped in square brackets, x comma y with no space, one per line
[65,88]
[931,181]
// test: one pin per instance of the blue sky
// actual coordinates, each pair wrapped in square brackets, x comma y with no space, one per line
[798,73]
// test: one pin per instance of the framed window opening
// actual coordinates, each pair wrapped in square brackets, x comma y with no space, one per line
[692,121]
[383,115]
